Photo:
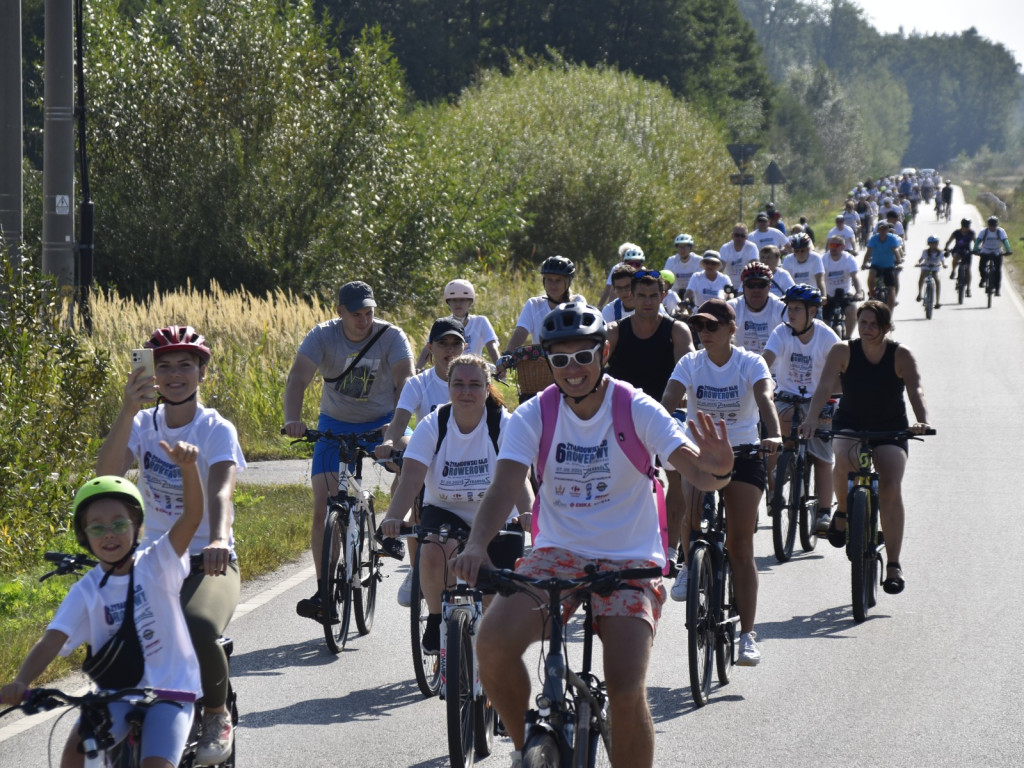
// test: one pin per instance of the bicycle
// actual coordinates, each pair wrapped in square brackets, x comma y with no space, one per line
[963,283]
[836,317]
[569,726]
[928,291]
[991,266]
[350,567]
[864,542]
[794,502]
[711,613]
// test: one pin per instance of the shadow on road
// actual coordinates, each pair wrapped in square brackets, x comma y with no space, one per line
[367,704]
[669,703]
[832,622]
[308,653]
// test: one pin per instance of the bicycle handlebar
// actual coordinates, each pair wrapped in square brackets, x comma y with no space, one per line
[44,699]
[506,582]
[887,434]
[66,563]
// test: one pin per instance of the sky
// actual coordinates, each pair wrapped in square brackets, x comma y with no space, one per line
[1001,21]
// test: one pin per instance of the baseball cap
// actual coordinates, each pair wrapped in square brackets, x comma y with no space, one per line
[762,216]
[716,309]
[355,296]
[446,326]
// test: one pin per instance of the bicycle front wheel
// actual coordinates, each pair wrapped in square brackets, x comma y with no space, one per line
[368,573]
[458,692]
[335,591]
[588,737]
[725,636]
[961,285]
[784,511]
[701,620]
[541,750]
[861,552]
[808,508]
[427,667]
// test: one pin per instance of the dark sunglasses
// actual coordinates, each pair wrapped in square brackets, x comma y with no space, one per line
[756,284]
[582,357]
[699,324]
[642,273]
[738,234]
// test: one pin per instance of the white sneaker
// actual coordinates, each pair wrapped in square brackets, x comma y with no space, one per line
[405,591]
[215,743]
[678,592]
[750,654]
[517,758]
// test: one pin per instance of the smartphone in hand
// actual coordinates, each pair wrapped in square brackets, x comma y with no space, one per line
[143,358]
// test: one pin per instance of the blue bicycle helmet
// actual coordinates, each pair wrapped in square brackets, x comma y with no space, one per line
[571,321]
[803,292]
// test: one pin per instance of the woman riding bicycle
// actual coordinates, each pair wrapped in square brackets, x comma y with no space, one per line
[873,371]
[454,476]
[557,273]
[732,384]
[211,591]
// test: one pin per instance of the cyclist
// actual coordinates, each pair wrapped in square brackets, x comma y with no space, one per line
[629,253]
[556,273]
[796,353]
[932,260]
[763,235]
[990,246]
[460,296]
[883,254]
[758,313]
[873,372]
[733,385]
[736,253]
[670,299]
[710,283]
[623,305]
[946,197]
[781,279]
[422,394]
[846,233]
[841,279]
[775,218]
[211,591]
[454,474]
[683,263]
[803,264]
[154,647]
[963,242]
[365,362]
[614,525]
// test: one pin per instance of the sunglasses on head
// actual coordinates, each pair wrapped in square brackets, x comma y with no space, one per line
[582,357]
[119,526]
[699,324]
[642,273]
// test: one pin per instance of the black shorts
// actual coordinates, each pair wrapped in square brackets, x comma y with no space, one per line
[964,256]
[750,470]
[503,550]
[887,275]
[902,444]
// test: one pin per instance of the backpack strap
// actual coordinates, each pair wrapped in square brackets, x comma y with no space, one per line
[493,424]
[550,399]
[443,413]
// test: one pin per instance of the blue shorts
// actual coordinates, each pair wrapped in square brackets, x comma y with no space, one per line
[164,729]
[325,453]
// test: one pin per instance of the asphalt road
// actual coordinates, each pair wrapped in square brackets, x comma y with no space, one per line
[928,680]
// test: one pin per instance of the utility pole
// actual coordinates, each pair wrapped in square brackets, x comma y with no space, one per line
[12,204]
[59,143]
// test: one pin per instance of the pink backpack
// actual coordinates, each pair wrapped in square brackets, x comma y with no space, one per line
[625,433]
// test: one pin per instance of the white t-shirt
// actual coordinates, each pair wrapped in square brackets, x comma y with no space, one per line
[839,272]
[534,312]
[683,270]
[754,328]
[479,333]
[462,470]
[423,393]
[770,236]
[671,301]
[932,259]
[593,501]
[782,281]
[734,261]
[852,220]
[848,235]
[704,289]
[724,392]
[797,364]
[805,272]
[160,478]
[92,615]
[991,243]
[614,311]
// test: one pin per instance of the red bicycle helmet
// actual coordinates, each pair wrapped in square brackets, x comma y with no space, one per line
[178,338]
[756,269]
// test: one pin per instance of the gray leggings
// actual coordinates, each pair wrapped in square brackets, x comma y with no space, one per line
[208,603]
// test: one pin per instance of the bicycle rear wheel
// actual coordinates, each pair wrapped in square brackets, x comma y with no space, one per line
[541,750]
[808,508]
[701,617]
[961,285]
[427,668]
[861,552]
[725,636]
[784,511]
[368,573]
[335,591]
[458,694]
[929,298]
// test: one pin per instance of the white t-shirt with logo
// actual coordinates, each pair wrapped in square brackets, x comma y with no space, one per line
[724,392]
[754,328]
[848,235]
[593,501]
[534,312]
[839,273]
[804,272]
[734,261]
[423,393]
[797,364]
[704,289]
[461,471]
[683,270]
[770,236]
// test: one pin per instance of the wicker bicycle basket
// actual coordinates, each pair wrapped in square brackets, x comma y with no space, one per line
[532,370]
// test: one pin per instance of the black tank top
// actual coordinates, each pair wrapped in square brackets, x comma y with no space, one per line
[644,363]
[872,394]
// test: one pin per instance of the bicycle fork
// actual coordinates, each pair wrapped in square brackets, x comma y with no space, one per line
[451,601]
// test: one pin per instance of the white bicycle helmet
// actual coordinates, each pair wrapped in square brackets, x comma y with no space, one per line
[459,289]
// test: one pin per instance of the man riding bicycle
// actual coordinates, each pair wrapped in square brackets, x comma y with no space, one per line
[991,244]
[963,242]
[594,507]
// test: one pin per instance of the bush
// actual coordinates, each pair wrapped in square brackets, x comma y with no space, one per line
[49,384]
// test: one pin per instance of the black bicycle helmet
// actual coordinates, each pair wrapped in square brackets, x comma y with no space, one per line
[558,265]
[993,221]
[572,320]
[965,222]
[800,240]
[803,292]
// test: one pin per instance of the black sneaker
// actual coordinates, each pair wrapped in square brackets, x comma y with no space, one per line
[391,547]
[431,642]
[309,607]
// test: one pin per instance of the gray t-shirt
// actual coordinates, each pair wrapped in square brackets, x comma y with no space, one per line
[367,393]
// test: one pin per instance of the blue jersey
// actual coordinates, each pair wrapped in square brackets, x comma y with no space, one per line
[883,252]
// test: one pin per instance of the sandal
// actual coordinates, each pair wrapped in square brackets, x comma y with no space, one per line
[836,537]
[893,585]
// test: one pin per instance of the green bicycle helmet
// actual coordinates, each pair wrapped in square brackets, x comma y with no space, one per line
[104,487]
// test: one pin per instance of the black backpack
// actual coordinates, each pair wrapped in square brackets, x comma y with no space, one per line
[493,423]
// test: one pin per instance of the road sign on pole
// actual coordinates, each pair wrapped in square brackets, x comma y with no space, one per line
[773,175]
[742,154]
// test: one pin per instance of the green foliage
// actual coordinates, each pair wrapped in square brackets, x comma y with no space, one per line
[48,384]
